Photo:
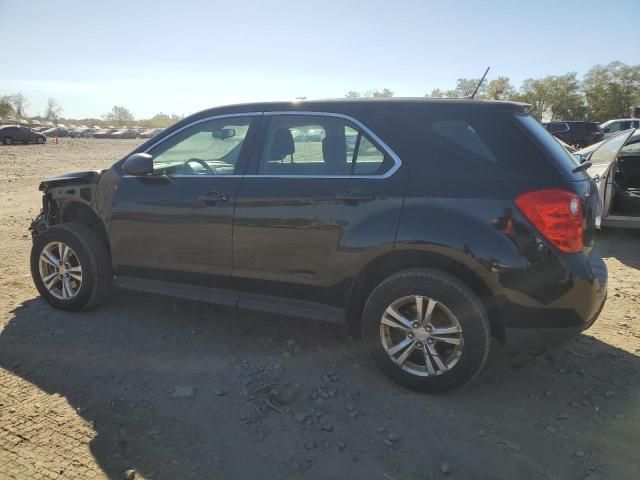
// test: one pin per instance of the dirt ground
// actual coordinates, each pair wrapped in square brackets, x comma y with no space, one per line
[176,389]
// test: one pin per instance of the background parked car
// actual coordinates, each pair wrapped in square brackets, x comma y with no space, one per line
[16,134]
[577,134]
[124,133]
[615,167]
[56,132]
[613,127]
[104,133]
[151,132]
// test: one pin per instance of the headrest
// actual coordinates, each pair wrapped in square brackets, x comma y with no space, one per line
[334,151]
[282,144]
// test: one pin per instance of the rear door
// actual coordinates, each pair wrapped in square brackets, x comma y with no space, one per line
[323,193]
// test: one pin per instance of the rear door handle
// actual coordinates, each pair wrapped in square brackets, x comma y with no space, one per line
[212,198]
[355,196]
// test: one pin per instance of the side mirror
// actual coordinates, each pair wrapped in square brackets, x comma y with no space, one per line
[138,164]
[606,129]
[223,133]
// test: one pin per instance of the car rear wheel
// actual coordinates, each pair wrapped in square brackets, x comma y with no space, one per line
[426,330]
[7,140]
[70,267]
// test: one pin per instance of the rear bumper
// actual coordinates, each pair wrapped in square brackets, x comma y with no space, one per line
[535,328]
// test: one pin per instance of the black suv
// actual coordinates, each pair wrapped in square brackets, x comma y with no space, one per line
[446,222]
[576,134]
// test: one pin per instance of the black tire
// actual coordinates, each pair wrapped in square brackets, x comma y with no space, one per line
[93,256]
[40,140]
[461,302]
[7,140]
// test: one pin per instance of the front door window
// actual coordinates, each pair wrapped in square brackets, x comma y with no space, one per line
[211,147]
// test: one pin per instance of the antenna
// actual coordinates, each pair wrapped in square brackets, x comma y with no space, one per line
[473,95]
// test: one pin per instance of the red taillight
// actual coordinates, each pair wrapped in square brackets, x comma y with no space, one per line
[595,133]
[558,215]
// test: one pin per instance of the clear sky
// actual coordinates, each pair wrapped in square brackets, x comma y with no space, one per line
[181,56]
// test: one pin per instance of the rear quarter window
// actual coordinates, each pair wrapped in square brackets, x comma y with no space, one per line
[553,151]
[488,144]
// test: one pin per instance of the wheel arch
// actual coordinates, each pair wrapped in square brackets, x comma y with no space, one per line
[76,212]
[387,264]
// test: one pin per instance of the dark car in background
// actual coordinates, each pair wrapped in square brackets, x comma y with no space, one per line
[124,133]
[576,134]
[446,222]
[104,133]
[148,133]
[15,134]
[56,132]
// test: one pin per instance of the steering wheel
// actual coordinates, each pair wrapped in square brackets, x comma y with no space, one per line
[205,165]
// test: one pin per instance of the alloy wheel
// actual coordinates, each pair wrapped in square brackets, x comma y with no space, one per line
[421,336]
[60,270]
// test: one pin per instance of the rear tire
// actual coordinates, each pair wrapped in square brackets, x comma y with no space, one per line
[81,282]
[7,140]
[451,344]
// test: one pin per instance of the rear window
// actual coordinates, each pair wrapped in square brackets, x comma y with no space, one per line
[552,148]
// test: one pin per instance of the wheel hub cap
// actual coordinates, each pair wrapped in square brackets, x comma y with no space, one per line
[421,334]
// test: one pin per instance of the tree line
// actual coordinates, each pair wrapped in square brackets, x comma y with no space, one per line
[16,105]
[605,92]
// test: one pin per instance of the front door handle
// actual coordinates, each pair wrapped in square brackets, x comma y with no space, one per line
[355,195]
[212,198]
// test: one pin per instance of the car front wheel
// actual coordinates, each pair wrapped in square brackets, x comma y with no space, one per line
[71,267]
[426,330]
[7,140]
[40,140]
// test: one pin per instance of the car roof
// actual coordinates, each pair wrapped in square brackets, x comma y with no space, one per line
[342,105]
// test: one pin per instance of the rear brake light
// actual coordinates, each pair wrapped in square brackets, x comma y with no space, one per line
[595,133]
[558,215]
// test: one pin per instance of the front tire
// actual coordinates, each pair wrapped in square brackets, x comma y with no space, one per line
[426,330]
[7,140]
[40,140]
[71,267]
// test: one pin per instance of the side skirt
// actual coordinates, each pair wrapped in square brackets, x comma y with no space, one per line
[231,298]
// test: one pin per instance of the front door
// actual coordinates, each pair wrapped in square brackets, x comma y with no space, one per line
[176,224]
[602,169]
[321,193]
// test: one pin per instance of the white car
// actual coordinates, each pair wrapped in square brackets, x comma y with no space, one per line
[614,127]
[615,167]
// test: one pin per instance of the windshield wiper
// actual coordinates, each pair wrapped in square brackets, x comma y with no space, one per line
[583,166]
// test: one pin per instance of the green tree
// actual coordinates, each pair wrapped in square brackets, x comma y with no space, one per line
[553,97]
[611,90]
[384,93]
[500,89]
[120,115]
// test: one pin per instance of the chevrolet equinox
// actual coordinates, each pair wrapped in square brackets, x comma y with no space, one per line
[429,225]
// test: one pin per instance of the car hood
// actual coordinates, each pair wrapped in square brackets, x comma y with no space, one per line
[76,178]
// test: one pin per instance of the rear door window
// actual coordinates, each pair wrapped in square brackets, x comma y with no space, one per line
[319,146]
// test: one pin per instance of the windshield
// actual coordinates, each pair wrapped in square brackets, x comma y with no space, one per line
[607,151]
